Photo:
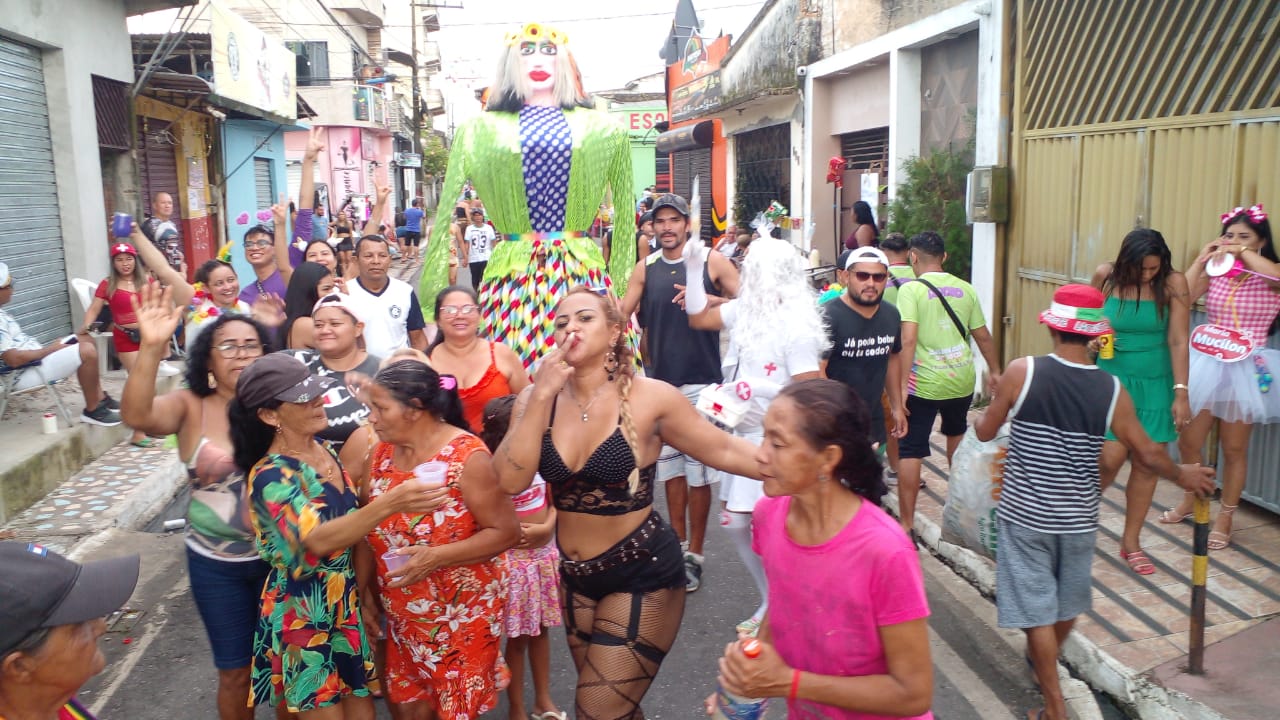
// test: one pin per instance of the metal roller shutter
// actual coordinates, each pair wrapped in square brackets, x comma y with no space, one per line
[262,186]
[687,165]
[37,259]
[157,162]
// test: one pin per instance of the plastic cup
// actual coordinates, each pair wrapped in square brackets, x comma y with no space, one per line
[122,225]
[433,473]
[394,561]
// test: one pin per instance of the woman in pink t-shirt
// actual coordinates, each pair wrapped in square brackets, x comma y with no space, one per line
[845,635]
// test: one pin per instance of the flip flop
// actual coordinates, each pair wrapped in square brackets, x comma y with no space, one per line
[1035,714]
[145,442]
[1138,561]
[549,715]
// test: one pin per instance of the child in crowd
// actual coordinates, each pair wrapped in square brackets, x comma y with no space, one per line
[533,579]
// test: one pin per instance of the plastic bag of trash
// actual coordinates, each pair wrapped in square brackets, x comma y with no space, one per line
[973,489]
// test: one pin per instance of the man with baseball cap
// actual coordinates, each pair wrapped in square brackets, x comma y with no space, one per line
[866,339]
[1060,407]
[940,313]
[680,356]
[58,360]
[50,621]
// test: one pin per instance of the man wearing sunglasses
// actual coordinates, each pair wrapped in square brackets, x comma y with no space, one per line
[866,338]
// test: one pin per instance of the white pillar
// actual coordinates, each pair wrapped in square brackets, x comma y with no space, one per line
[904,112]
[991,147]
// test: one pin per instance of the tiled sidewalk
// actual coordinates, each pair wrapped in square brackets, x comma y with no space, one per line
[1143,621]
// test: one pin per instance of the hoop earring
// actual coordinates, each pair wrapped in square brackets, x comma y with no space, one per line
[213,382]
[611,365]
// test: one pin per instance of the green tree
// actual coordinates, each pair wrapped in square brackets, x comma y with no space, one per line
[435,156]
[932,198]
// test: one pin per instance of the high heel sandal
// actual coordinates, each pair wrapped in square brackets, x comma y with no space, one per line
[1170,516]
[1220,540]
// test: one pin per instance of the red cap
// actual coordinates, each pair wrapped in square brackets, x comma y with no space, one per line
[751,648]
[1077,309]
[119,248]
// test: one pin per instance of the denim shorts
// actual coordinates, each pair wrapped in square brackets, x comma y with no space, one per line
[228,596]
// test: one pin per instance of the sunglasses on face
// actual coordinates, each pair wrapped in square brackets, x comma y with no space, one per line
[865,276]
[453,310]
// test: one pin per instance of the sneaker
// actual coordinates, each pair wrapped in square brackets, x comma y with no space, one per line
[111,402]
[890,478]
[692,572]
[101,415]
[164,370]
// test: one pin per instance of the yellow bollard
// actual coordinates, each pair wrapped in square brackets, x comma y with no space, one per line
[1199,576]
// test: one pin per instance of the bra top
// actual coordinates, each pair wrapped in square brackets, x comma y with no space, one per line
[600,487]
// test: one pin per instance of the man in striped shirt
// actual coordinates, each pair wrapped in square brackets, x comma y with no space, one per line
[1060,406]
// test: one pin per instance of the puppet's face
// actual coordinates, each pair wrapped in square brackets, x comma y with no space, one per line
[538,63]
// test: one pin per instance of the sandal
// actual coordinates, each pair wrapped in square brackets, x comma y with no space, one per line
[1219,540]
[549,715]
[1138,561]
[145,442]
[1035,714]
[1170,517]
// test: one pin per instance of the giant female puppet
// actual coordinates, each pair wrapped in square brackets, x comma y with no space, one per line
[541,161]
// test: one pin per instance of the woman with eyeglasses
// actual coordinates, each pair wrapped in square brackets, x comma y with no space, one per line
[225,570]
[339,352]
[485,369]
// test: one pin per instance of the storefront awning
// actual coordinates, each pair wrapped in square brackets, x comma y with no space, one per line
[689,137]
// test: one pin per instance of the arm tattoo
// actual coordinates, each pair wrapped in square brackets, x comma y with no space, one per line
[507,451]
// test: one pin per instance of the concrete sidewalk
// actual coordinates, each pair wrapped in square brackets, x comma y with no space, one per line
[1132,645]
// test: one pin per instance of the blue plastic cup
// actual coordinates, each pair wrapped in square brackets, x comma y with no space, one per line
[122,225]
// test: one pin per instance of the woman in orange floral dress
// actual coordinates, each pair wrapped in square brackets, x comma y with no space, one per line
[444,606]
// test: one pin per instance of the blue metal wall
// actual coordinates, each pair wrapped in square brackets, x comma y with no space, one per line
[243,141]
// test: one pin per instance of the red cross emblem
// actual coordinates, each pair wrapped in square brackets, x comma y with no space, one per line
[768,369]
[743,390]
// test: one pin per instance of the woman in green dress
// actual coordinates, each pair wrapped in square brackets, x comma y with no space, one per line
[542,162]
[1148,306]
[310,648]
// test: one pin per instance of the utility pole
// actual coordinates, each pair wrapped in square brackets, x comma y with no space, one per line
[417,94]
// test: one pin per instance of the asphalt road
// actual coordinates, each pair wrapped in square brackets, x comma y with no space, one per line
[159,667]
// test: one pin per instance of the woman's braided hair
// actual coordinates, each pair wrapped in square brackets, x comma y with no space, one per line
[625,373]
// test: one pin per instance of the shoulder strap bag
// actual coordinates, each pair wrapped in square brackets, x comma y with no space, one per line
[964,332]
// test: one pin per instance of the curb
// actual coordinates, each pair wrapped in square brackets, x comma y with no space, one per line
[137,509]
[1139,695]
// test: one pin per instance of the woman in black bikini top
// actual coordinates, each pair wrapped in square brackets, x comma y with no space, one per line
[593,431]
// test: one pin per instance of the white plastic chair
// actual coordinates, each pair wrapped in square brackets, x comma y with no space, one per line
[84,291]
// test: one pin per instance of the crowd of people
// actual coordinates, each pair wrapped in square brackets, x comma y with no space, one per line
[375,512]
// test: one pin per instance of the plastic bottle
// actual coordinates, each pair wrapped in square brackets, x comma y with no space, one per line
[736,707]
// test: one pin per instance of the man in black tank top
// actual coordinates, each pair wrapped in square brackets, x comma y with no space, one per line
[1060,407]
[681,356]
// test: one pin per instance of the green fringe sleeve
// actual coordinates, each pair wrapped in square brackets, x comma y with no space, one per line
[622,258]
[435,266]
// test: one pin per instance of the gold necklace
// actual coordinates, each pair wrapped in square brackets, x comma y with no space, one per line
[328,466]
[583,408]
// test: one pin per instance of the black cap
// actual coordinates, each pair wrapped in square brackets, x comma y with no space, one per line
[42,589]
[647,217]
[279,376]
[673,201]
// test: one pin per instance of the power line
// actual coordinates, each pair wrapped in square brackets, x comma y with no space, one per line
[494,23]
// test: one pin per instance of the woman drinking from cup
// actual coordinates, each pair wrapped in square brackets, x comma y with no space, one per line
[310,646]
[846,634]
[1239,275]
[441,582]
[225,570]
[485,369]
[623,569]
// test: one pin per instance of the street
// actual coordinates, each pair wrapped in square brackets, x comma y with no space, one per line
[159,665]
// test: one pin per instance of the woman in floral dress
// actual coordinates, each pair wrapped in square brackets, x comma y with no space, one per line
[310,648]
[444,607]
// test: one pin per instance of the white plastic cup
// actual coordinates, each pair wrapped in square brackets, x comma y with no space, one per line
[49,424]
[393,560]
[434,473]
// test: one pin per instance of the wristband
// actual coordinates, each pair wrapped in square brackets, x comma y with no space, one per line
[1180,386]
[795,685]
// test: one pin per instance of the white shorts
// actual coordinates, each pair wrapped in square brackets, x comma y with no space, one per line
[56,366]
[672,463]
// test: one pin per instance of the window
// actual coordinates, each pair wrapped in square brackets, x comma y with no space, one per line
[264,190]
[313,61]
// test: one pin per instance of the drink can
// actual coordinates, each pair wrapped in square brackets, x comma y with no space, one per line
[1106,347]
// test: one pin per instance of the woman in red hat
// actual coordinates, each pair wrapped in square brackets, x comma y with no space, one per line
[118,293]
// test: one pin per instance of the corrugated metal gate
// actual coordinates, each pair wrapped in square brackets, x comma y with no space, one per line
[158,162]
[28,188]
[1135,114]
[684,167]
